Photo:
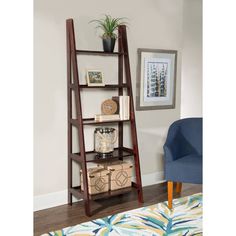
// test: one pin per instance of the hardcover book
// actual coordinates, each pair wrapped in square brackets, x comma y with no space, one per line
[100,117]
[123,104]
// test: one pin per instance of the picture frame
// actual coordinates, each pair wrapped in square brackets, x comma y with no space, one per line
[95,78]
[156,79]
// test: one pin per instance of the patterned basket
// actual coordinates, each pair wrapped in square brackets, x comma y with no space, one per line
[120,174]
[98,180]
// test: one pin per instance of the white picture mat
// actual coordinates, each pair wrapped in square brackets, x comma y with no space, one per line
[158,62]
[157,57]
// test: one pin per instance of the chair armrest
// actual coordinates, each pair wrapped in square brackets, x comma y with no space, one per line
[176,145]
[172,146]
[168,153]
[172,152]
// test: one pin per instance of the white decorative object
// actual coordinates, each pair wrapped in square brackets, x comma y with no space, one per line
[104,139]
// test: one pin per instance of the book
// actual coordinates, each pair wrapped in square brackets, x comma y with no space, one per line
[116,100]
[123,104]
[121,110]
[101,117]
[119,102]
[126,107]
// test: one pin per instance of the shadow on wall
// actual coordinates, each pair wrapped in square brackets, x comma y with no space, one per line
[151,153]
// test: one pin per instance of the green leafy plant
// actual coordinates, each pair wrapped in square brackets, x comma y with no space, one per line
[109,25]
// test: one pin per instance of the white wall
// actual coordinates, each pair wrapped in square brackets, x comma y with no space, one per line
[191,85]
[152,24]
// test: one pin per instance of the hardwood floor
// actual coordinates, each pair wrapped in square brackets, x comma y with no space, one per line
[63,216]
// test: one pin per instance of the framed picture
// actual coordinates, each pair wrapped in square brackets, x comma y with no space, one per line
[95,78]
[156,81]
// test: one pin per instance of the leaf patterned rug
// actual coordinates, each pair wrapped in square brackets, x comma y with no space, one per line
[184,219]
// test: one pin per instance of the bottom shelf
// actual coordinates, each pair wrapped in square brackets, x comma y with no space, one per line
[76,191]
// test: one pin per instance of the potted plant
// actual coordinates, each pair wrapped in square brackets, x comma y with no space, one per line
[109,26]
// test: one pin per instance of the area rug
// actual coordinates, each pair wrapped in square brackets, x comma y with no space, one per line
[184,219]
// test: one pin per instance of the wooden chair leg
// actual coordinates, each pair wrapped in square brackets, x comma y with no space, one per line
[178,187]
[170,193]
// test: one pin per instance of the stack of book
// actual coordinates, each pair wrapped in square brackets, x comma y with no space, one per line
[122,113]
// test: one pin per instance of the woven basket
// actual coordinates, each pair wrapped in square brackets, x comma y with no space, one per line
[98,180]
[120,174]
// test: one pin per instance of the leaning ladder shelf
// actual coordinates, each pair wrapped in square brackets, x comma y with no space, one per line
[83,157]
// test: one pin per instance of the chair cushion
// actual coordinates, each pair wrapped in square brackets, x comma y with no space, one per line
[187,169]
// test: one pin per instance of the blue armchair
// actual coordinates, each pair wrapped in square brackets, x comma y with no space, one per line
[183,154]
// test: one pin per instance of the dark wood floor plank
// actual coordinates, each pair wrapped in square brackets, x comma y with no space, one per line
[63,216]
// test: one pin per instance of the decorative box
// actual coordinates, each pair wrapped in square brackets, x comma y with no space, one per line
[98,180]
[120,174]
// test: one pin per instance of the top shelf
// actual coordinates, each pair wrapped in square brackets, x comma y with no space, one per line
[99,53]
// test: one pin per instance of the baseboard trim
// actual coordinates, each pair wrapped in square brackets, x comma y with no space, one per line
[54,199]
[49,200]
[153,178]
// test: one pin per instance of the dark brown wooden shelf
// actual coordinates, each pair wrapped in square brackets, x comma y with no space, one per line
[107,86]
[74,99]
[99,53]
[76,191]
[92,156]
[91,121]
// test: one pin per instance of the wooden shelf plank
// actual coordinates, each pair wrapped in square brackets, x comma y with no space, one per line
[76,191]
[99,53]
[92,156]
[91,121]
[74,122]
[76,157]
[107,86]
